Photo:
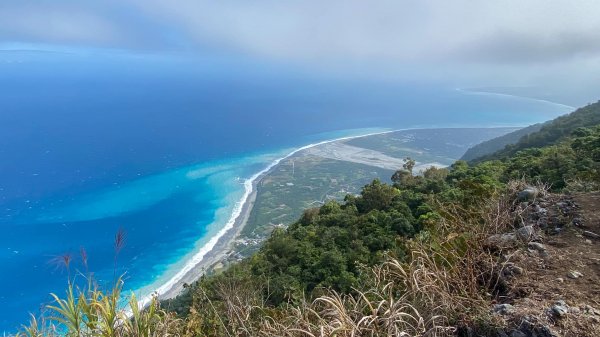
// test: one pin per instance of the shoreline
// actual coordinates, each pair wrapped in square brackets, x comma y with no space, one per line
[476,91]
[221,244]
[219,251]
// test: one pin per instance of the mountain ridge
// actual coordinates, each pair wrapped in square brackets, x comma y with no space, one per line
[549,133]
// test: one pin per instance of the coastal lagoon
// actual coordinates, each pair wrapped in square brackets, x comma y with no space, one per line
[166,149]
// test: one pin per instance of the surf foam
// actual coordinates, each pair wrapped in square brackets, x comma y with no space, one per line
[237,211]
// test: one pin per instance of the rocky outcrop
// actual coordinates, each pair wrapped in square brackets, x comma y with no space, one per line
[550,264]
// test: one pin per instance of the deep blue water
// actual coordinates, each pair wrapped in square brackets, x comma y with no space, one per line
[159,145]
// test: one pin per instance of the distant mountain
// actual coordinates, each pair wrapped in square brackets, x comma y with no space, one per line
[496,144]
[550,133]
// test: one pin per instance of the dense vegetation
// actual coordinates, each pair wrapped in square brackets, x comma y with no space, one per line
[550,133]
[400,257]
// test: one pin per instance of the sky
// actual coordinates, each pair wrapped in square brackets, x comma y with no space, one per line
[555,44]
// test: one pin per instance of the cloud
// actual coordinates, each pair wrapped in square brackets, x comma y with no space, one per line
[106,24]
[46,23]
[505,40]
[309,30]
[385,30]
[511,47]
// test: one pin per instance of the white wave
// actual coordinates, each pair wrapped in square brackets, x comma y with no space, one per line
[490,93]
[237,211]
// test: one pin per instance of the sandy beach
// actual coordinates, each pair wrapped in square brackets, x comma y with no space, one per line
[221,249]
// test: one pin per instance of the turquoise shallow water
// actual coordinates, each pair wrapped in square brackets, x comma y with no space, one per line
[171,220]
[165,216]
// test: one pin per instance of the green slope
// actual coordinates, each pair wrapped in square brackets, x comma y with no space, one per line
[549,134]
[493,145]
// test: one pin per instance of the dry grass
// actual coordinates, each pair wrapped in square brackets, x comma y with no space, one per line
[449,280]
[387,309]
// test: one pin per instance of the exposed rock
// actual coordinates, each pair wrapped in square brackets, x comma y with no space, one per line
[536,246]
[516,270]
[517,333]
[574,274]
[510,269]
[501,333]
[528,194]
[567,206]
[503,309]
[560,280]
[545,331]
[532,329]
[502,240]
[559,309]
[543,222]
[525,233]
[588,309]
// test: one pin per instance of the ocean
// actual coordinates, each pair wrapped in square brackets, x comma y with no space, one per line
[163,147]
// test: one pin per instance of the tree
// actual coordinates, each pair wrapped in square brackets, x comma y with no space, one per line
[401,176]
[409,164]
[376,196]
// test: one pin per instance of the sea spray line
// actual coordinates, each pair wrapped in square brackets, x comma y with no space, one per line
[237,211]
[490,93]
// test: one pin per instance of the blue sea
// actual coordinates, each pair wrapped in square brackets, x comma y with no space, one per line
[161,146]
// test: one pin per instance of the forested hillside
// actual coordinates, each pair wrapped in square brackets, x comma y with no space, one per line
[549,134]
[499,143]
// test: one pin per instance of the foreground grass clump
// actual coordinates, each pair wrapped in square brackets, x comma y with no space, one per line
[98,313]
[89,311]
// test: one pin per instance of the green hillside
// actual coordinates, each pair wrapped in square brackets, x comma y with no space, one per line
[550,133]
[499,143]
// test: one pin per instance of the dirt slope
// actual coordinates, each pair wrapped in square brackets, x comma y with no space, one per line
[554,280]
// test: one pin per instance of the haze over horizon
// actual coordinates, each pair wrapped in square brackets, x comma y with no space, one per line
[547,48]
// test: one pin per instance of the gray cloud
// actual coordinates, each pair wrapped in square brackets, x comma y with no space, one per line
[109,24]
[515,47]
[503,40]
[395,31]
